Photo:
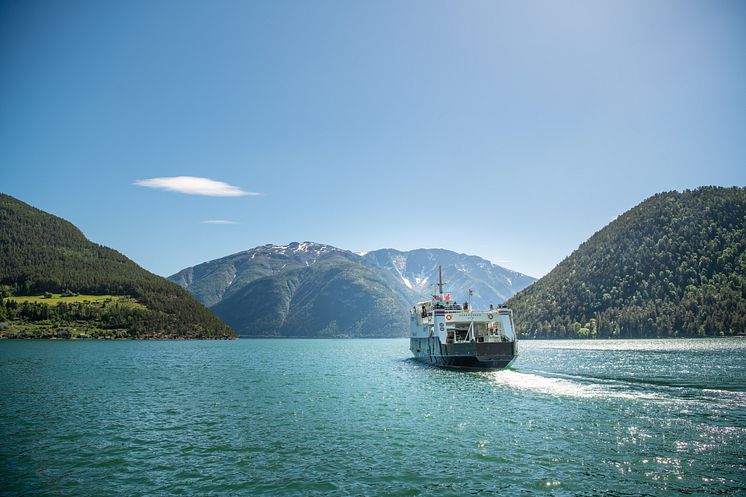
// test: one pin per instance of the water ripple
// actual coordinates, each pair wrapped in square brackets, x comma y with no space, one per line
[358,417]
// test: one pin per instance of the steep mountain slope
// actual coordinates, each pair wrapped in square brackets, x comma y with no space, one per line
[328,298]
[417,271]
[675,265]
[213,281]
[41,253]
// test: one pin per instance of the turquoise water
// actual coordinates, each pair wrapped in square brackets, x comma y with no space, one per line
[358,417]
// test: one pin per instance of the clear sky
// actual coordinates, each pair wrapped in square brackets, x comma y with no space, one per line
[509,130]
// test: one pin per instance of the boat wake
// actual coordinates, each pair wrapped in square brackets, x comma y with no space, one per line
[566,386]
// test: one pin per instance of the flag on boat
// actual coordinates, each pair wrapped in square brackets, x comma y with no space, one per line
[470,292]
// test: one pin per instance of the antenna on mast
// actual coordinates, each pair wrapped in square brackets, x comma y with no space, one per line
[440,280]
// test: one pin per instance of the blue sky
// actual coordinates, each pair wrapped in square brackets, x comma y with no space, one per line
[509,130]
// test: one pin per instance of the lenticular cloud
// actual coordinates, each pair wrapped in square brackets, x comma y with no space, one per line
[192,185]
[219,221]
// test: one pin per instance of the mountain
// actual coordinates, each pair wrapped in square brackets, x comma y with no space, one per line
[213,281]
[674,265]
[328,298]
[312,289]
[44,254]
[417,271]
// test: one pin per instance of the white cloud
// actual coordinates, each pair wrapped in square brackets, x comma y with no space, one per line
[218,221]
[192,185]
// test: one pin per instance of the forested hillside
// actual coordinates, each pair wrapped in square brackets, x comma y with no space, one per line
[41,253]
[672,266]
[330,298]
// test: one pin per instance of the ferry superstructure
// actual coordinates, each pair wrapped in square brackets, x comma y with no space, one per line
[445,333]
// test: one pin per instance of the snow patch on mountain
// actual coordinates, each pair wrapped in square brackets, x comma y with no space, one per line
[409,275]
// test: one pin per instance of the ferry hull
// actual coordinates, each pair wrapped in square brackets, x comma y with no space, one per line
[471,355]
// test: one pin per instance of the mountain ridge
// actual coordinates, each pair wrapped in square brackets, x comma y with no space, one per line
[226,269]
[383,275]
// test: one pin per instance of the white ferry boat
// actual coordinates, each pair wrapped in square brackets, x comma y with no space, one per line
[445,333]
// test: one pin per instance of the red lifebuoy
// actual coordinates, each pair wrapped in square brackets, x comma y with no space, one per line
[448,317]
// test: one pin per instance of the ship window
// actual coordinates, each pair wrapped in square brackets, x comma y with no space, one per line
[505,320]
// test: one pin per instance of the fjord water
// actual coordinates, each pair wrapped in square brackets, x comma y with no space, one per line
[359,417]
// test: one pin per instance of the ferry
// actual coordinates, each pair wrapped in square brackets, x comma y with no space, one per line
[445,333]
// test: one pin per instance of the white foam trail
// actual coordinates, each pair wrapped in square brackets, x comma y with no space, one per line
[561,387]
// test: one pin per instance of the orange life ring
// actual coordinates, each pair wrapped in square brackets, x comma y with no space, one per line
[448,317]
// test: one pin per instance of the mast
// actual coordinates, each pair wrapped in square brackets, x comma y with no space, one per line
[440,280]
[439,314]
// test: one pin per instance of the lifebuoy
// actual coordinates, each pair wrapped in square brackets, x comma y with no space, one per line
[490,316]
[448,317]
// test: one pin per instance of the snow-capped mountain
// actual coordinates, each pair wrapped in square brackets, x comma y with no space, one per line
[211,282]
[417,270]
[312,289]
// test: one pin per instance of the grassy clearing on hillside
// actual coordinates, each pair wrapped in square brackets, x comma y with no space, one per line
[57,298]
